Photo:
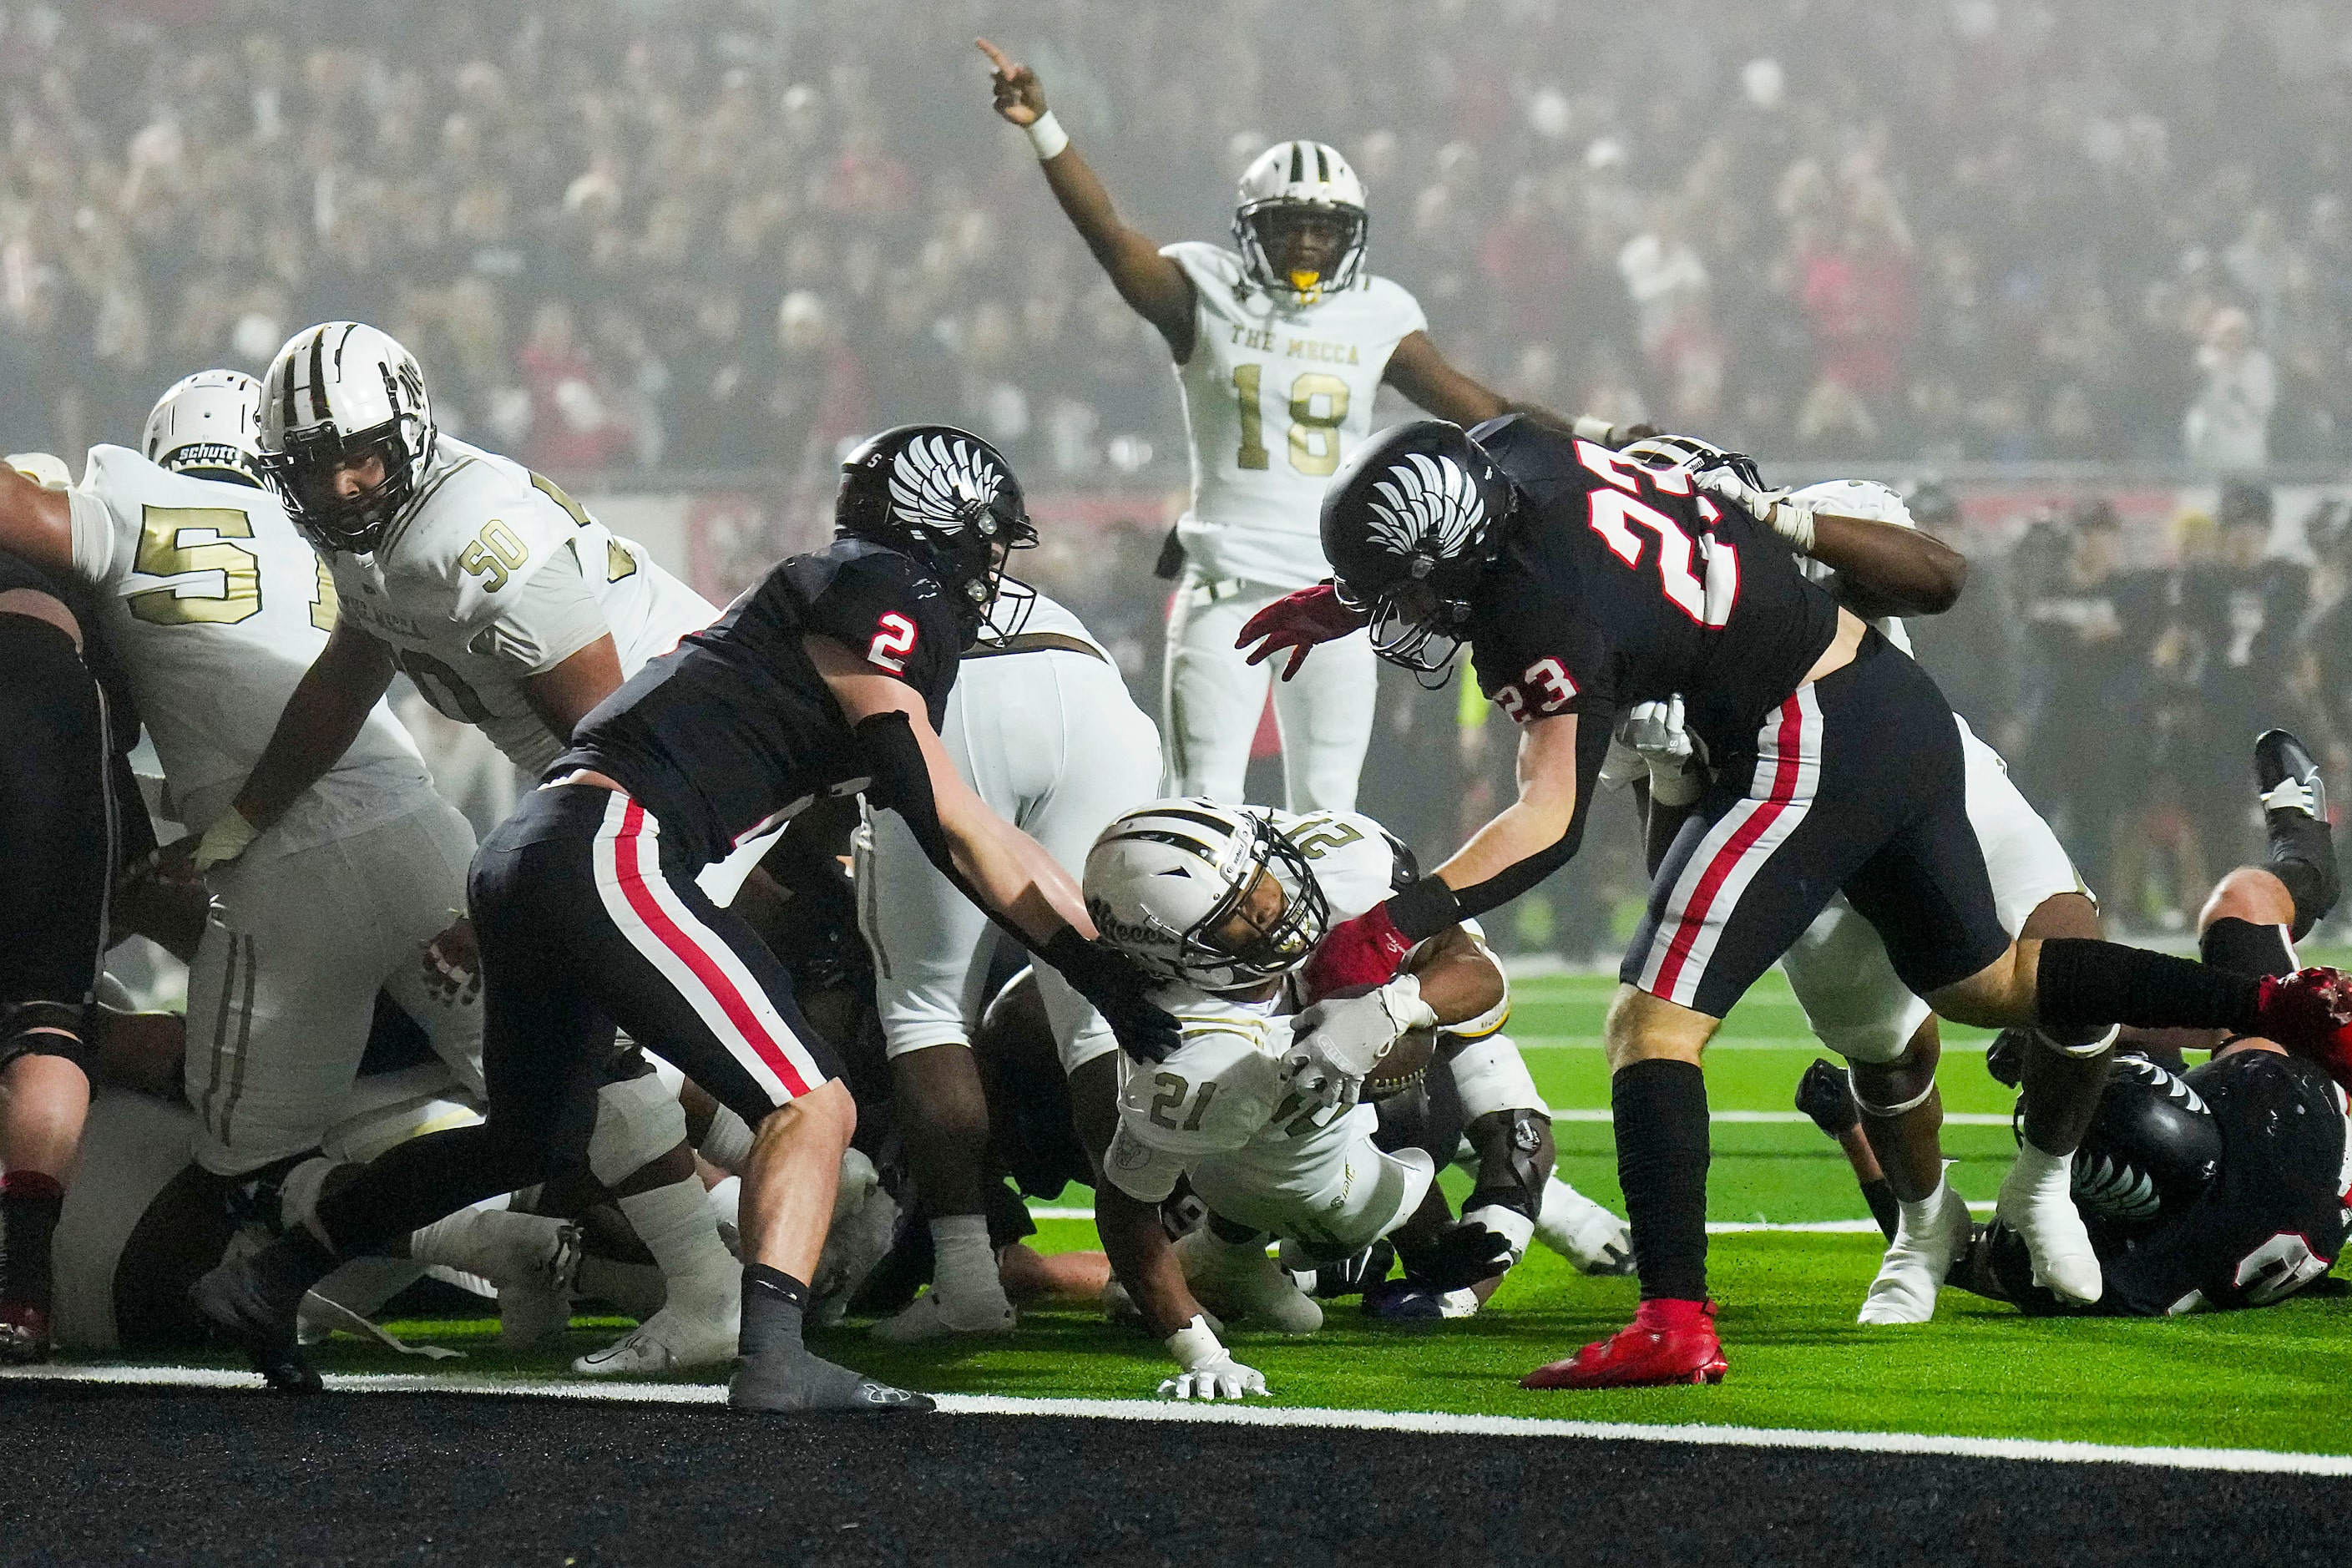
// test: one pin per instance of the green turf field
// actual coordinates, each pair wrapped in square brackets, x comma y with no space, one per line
[2268,1379]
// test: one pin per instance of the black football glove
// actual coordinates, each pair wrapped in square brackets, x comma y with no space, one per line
[1117,990]
[1460,1257]
[1826,1094]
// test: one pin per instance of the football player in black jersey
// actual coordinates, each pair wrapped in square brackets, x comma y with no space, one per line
[826,679]
[1585,583]
[65,720]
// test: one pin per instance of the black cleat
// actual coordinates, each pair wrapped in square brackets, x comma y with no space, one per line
[1826,1094]
[24,1334]
[1350,1276]
[231,1299]
[2294,816]
[2005,1057]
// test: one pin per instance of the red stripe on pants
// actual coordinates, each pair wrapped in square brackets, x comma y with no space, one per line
[630,861]
[1719,869]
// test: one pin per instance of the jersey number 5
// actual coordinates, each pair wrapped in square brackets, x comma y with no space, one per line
[1313,433]
[892,644]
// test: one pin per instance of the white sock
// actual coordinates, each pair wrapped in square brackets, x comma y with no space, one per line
[634,1288]
[2044,1172]
[1919,1218]
[962,1263]
[678,1228]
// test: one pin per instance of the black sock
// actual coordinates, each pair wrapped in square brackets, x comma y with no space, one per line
[1879,1196]
[774,1306]
[2083,982]
[30,1203]
[2246,947]
[2302,857]
[1659,1107]
[290,1265]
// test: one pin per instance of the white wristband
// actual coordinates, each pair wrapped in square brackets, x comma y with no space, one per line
[1507,1223]
[1046,135]
[1593,428]
[1793,520]
[1195,1344]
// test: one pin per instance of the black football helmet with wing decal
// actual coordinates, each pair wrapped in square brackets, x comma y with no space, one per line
[950,499]
[1408,523]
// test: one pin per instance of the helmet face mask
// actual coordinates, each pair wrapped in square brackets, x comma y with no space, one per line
[342,398]
[1665,454]
[1205,895]
[948,500]
[1300,222]
[1409,524]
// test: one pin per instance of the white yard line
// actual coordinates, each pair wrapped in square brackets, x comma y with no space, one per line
[1951,1118]
[1714,1227]
[2245,1461]
[1745,1043]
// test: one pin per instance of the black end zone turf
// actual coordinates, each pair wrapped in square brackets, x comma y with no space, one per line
[117,1475]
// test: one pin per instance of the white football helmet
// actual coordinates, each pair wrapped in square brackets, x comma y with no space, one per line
[1856,498]
[1300,195]
[1179,886]
[1663,454]
[336,392]
[207,424]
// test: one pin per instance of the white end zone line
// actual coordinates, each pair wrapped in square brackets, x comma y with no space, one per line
[1714,1226]
[2244,1460]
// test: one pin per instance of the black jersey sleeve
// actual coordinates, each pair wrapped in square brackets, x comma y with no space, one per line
[1537,660]
[883,607]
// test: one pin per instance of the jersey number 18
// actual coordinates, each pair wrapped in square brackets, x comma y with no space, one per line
[1314,437]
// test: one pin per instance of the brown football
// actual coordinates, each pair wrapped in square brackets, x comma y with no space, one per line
[1401,1065]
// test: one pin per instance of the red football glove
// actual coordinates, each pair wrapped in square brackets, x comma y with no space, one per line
[1354,954]
[2310,1013]
[1298,622]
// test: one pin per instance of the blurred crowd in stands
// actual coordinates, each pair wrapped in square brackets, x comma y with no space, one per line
[727,234]
[684,238]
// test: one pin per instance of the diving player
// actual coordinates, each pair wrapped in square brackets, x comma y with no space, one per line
[1586,583]
[827,680]
[1224,906]
[1280,350]
[511,607]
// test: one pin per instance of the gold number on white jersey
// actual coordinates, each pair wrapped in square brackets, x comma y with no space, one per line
[161,553]
[494,554]
[1314,437]
[323,603]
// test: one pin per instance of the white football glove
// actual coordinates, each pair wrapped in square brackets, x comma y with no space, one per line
[1210,1369]
[1656,732]
[1792,519]
[1334,1044]
[230,836]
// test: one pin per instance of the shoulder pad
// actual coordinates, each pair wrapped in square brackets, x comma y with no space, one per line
[480,529]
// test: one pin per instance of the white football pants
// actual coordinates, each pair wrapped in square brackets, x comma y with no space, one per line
[1054,743]
[282,994]
[1212,696]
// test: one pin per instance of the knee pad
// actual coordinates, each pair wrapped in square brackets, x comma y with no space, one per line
[2152,1149]
[1510,1192]
[638,1121]
[1491,1076]
[44,1030]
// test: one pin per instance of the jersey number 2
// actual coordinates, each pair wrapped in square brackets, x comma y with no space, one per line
[1314,436]
[892,644]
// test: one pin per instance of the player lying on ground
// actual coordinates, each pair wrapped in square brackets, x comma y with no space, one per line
[512,608]
[215,609]
[828,678]
[1281,347]
[67,722]
[1586,583]
[1224,906]
[1866,549]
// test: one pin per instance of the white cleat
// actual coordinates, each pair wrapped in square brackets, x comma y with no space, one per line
[2042,1211]
[932,1316]
[1916,1265]
[535,1302]
[1248,1281]
[672,1340]
[1591,1238]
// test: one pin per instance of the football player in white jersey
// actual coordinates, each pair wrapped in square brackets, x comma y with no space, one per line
[1040,724]
[1224,906]
[512,608]
[1280,351]
[1879,565]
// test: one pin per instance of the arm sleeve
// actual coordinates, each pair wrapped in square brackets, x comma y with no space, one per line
[94,535]
[548,617]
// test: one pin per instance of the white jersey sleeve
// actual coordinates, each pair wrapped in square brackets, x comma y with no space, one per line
[495,576]
[1276,397]
[216,608]
[1356,863]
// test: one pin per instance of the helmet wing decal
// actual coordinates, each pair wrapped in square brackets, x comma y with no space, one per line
[1426,505]
[942,483]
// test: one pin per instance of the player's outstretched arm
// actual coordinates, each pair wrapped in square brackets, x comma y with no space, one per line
[321,721]
[1897,571]
[1155,287]
[36,522]
[1422,372]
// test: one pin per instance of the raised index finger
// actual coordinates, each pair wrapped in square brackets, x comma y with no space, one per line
[997,58]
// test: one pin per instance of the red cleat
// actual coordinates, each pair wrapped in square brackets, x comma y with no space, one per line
[2310,1013]
[24,1334]
[1666,1342]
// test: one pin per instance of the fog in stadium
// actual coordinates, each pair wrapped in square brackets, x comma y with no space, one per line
[1127,751]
